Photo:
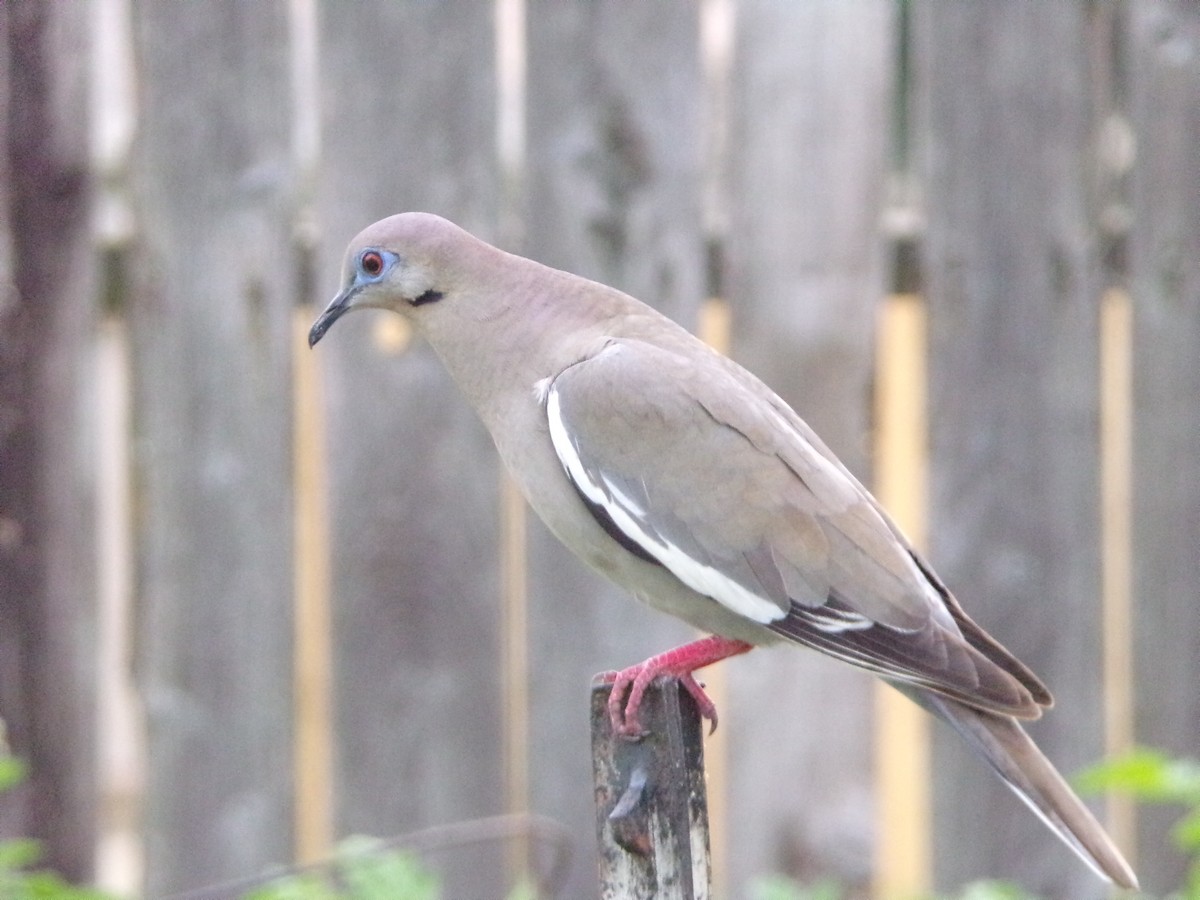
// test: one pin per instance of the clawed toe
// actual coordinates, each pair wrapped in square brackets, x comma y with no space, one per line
[707,709]
[624,701]
[628,685]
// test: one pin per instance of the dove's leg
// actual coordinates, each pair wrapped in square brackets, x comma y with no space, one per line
[677,663]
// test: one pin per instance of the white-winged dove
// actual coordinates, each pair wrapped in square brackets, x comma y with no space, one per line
[679,475]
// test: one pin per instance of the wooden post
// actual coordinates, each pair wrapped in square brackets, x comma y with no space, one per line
[651,803]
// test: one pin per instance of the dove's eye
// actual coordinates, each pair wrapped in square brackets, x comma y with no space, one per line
[370,263]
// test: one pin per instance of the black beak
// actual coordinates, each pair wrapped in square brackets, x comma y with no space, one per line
[334,311]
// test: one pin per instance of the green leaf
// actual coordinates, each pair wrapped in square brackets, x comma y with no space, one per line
[1186,832]
[778,887]
[19,853]
[364,869]
[523,890]
[1148,775]
[305,886]
[371,872]
[12,771]
[51,886]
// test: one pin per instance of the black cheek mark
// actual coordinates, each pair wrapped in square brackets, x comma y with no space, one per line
[430,296]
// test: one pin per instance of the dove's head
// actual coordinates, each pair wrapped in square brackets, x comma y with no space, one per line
[500,323]
[411,263]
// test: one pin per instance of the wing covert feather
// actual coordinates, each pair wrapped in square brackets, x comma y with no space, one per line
[704,458]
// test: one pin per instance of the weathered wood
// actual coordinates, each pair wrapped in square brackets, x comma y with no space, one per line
[614,159]
[408,122]
[1012,268]
[613,177]
[210,326]
[810,92]
[47,490]
[651,803]
[1164,257]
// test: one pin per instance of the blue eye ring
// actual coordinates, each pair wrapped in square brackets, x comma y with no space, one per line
[371,264]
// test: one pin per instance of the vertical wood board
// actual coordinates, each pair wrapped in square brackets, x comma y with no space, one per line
[210,337]
[408,123]
[47,483]
[1164,42]
[810,94]
[1013,288]
[612,192]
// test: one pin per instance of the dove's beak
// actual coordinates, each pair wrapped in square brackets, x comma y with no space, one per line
[334,311]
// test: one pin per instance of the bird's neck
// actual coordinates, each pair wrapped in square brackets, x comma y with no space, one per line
[538,322]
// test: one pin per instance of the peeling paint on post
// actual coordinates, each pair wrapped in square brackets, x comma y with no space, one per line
[651,803]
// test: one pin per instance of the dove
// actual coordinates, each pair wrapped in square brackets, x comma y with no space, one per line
[679,475]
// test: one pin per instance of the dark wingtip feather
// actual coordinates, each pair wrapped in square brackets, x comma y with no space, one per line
[987,645]
[932,658]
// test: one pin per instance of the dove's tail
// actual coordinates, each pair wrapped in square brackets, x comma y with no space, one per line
[1017,760]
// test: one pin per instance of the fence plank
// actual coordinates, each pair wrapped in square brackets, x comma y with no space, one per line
[1165,279]
[210,335]
[409,123]
[1013,285]
[613,193]
[47,489]
[811,84]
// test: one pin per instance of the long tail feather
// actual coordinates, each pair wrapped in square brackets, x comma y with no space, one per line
[1021,765]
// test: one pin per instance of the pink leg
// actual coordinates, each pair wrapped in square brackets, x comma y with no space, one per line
[678,663]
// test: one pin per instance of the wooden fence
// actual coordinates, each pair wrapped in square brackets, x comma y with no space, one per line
[254,599]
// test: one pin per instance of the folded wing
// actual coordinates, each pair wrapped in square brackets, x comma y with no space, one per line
[701,469]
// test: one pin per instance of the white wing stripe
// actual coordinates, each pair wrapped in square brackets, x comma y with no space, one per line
[703,579]
[832,621]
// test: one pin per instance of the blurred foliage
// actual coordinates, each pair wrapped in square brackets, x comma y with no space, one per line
[366,868]
[363,869]
[1149,776]
[19,880]
[1152,777]
[776,887]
